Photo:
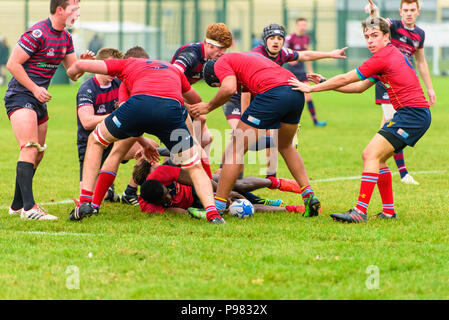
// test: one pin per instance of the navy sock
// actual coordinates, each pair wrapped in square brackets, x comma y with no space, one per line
[25,173]
[130,191]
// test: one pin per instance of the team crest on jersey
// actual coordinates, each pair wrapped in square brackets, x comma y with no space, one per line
[51,52]
[37,33]
[101,109]
[403,39]
[415,43]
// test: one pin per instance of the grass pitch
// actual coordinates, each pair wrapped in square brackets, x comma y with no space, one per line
[125,254]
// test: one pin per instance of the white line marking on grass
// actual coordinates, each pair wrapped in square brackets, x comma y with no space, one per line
[358,177]
[47,203]
[60,233]
[76,234]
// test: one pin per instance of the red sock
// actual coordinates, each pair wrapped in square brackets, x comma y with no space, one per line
[369,181]
[85,196]
[104,181]
[385,186]
[211,213]
[206,167]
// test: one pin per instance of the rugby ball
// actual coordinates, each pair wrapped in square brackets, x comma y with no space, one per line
[241,208]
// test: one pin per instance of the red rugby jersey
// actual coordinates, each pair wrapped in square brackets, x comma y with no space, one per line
[150,77]
[182,195]
[396,73]
[256,73]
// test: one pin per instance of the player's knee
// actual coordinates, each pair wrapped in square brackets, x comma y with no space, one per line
[99,138]
[206,140]
[188,159]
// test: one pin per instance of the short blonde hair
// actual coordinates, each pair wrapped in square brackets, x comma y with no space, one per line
[106,53]
[220,33]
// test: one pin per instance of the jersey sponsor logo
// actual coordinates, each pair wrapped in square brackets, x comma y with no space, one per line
[37,33]
[236,111]
[403,133]
[47,65]
[101,109]
[403,39]
[391,123]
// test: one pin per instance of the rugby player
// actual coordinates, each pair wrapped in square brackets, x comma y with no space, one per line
[190,59]
[32,63]
[409,39]
[167,188]
[275,106]
[273,37]
[154,92]
[300,41]
[96,99]
[409,123]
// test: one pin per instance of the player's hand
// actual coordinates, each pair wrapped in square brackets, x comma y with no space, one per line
[88,55]
[371,8]
[150,153]
[198,109]
[74,73]
[432,96]
[315,78]
[339,53]
[299,86]
[42,94]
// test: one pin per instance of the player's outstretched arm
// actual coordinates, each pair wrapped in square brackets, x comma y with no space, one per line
[317,55]
[191,97]
[227,89]
[15,66]
[331,84]
[77,69]
[423,69]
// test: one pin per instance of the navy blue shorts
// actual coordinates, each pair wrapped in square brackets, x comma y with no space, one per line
[407,127]
[162,117]
[19,101]
[269,109]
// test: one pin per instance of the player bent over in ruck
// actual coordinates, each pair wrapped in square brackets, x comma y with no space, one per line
[156,91]
[274,107]
[411,120]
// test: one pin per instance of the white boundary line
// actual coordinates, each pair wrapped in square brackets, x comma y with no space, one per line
[57,233]
[318,180]
[359,177]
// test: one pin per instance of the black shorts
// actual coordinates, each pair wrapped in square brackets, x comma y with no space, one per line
[407,127]
[19,101]
[162,117]
[269,109]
